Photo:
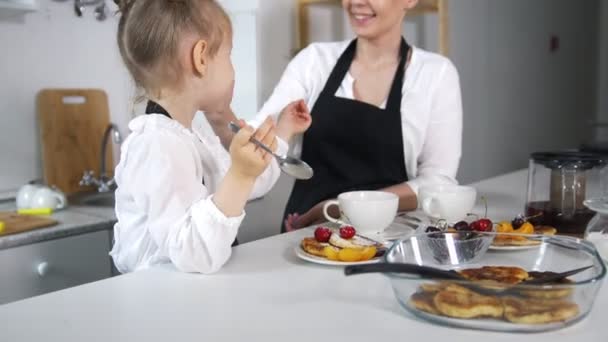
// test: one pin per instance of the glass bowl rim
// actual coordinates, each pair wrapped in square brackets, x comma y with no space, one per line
[586,246]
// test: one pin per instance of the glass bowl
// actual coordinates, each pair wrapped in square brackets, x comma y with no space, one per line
[457,247]
[517,307]
[451,247]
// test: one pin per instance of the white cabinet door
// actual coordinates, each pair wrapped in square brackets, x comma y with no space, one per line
[54,265]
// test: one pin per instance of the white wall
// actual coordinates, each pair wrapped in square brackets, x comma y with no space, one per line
[51,48]
[519,97]
[602,113]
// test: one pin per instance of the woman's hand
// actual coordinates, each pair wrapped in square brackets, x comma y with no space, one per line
[312,217]
[294,119]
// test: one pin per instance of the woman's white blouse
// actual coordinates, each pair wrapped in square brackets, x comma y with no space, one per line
[431,107]
[165,212]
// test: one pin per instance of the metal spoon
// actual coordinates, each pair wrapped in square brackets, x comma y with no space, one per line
[290,165]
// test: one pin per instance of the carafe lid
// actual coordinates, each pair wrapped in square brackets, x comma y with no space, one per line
[569,158]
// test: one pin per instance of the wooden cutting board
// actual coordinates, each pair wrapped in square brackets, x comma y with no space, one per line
[72,123]
[21,223]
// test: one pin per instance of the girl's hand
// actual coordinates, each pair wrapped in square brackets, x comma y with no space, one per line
[312,217]
[249,160]
[294,119]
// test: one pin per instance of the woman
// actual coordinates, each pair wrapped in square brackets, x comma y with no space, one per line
[385,115]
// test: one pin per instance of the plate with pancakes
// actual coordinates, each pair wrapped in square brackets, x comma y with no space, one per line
[519,234]
[339,247]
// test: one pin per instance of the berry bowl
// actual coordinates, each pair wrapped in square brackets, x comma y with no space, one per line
[458,244]
[451,248]
[498,291]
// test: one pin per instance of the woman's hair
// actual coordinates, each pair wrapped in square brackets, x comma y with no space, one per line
[150,31]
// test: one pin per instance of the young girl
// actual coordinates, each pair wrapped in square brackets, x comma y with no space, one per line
[180,195]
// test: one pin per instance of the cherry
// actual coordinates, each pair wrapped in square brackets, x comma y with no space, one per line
[462,226]
[347,232]
[322,234]
[482,225]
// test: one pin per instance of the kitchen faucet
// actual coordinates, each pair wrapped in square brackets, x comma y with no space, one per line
[103,183]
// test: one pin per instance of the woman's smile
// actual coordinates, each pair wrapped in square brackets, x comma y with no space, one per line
[361,17]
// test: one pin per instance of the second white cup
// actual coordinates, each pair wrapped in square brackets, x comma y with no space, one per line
[448,202]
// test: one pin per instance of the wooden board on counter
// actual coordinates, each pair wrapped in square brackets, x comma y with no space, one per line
[72,123]
[15,223]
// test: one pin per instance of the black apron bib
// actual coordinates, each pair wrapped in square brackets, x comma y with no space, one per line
[154,108]
[351,145]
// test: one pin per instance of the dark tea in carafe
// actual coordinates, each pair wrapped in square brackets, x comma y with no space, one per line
[558,185]
[574,224]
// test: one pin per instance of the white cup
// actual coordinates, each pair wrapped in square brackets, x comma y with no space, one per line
[48,198]
[368,211]
[33,196]
[448,202]
[25,195]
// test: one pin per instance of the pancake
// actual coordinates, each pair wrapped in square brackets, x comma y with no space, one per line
[314,247]
[423,301]
[459,302]
[556,293]
[500,274]
[355,242]
[532,311]
[513,240]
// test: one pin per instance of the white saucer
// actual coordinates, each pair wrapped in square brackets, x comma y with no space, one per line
[396,231]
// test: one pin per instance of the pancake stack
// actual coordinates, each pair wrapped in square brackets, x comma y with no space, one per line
[523,307]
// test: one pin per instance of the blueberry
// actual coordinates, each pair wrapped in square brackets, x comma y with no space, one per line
[432,230]
[462,226]
[518,222]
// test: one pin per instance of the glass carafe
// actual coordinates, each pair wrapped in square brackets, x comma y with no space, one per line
[558,185]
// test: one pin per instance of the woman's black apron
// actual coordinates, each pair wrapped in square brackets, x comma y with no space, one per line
[154,108]
[351,145]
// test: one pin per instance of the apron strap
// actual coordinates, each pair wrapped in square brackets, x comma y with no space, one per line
[154,108]
[394,97]
[337,74]
[343,65]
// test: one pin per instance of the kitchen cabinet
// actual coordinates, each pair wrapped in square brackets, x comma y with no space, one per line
[49,266]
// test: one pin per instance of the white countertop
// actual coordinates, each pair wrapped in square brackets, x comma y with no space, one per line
[264,291]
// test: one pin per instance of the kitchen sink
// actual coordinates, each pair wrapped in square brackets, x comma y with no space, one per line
[101,199]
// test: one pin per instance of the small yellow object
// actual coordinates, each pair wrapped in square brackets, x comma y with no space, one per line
[368,253]
[504,227]
[35,211]
[350,254]
[2,225]
[331,253]
[526,228]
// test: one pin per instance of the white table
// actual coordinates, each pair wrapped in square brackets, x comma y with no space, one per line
[263,292]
